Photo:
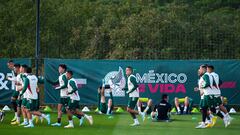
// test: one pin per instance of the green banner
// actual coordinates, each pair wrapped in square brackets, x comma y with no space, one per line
[7,87]
[177,78]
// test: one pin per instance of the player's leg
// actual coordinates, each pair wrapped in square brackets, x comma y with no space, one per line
[14,104]
[186,105]
[132,101]
[176,102]
[59,109]
[103,105]
[99,98]
[149,105]
[110,104]
[24,114]
[69,116]
[34,111]
[28,109]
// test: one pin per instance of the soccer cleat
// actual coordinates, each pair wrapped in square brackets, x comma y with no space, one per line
[48,119]
[143,115]
[14,119]
[29,126]
[81,121]
[56,124]
[209,125]
[15,123]
[24,124]
[69,126]
[202,125]
[135,124]
[90,119]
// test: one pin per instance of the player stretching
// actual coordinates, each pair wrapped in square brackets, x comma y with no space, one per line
[133,92]
[73,104]
[63,100]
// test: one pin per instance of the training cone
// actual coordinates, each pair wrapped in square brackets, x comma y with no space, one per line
[47,109]
[6,108]
[119,110]
[85,109]
[232,110]
[194,110]
[173,110]
[96,110]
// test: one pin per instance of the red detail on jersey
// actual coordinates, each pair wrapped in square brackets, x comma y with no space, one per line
[29,88]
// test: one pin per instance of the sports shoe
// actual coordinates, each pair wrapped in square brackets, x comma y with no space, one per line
[24,124]
[135,124]
[214,120]
[69,126]
[202,125]
[229,120]
[29,126]
[56,124]
[226,121]
[15,123]
[90,119]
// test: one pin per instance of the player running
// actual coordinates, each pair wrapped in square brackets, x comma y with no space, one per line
[133,92]
[73,104]
[64,98]
[30,88]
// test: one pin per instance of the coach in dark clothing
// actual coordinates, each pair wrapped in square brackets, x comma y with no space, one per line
[162,109]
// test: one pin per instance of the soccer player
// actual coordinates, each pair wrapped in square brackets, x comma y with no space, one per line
[30,88]
[161,111]
[18,82]
[14,97]
[217,97]
[133,92]
[145,105]
[105,108]
[64,98]
[73,104]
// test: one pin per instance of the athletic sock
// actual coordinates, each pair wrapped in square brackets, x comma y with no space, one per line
[185,108]
[146,109]
[178,109]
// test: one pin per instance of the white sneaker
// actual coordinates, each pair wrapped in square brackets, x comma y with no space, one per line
[24,124]
[69,126]
[56,124]
[90,119]
[135,124]
[229,120]
[29,126]
[81,121]
[202,125]
[48,119]
[143,115]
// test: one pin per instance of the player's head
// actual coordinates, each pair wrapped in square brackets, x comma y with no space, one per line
[69,74]
[165,97]
[23,68]
[210,68]
[17,67]
[129,70]
[10,64]
[29,70]
[202,69]
[62,68]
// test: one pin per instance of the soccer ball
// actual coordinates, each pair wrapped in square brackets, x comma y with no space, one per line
[2,114]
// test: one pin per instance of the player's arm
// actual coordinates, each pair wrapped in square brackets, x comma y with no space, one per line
[206,80]
[64,78]
[74,87]
[25,85]
[55,82]
[135,84]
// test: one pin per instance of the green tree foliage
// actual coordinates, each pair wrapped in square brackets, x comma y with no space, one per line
[122,29]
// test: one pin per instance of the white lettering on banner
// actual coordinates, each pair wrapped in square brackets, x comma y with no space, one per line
[3,83]
[152,77]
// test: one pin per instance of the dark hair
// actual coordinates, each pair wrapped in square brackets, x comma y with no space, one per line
[29,70]
[17,65]
[63,66]
[164,96]
[211,66]
[10,61]
[130,68]
[204,66]
[24,66]
[70,72]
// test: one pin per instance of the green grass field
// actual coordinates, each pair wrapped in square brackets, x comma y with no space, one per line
[119,125]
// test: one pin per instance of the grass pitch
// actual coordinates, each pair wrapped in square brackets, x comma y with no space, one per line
[119,125]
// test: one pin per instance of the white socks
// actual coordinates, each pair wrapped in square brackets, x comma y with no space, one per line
[136,120]
[185,108]
[178,109]
[146,109]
